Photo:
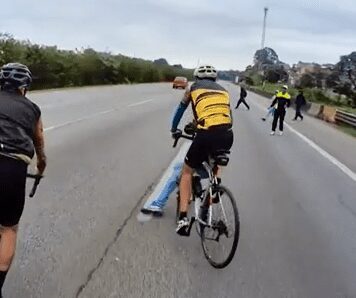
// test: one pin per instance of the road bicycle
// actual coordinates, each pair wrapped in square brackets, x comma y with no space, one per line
[216,215]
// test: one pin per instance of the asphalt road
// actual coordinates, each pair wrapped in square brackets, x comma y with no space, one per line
[108,146]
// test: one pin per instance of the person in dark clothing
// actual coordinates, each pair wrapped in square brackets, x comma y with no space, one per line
[21,136]
[243,95]
[282,100]
[299,103]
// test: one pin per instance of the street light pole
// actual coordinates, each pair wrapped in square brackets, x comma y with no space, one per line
[264,28]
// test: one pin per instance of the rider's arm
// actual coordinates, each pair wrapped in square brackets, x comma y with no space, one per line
[274,102]
[38,140]
[180,111]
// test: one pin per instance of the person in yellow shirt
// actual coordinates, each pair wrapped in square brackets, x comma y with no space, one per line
[212,113]
[283,101]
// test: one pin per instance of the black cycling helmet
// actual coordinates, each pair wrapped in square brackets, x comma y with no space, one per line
[15,76]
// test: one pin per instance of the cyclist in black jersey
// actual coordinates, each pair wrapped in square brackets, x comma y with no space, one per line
[21,136]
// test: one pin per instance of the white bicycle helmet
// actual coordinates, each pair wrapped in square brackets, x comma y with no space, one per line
[205,72]
[16,75]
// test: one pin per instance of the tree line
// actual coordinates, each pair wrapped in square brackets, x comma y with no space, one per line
[54,68]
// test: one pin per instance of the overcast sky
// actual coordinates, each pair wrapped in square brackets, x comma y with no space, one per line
[225,33]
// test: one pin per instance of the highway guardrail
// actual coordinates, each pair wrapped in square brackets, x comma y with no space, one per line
[345,117]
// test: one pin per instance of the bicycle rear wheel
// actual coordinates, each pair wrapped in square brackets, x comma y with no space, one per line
[220,241]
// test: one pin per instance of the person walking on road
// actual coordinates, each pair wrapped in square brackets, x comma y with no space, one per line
[299,103]
[283,101]
[270,110]
[243,95]
[21,135]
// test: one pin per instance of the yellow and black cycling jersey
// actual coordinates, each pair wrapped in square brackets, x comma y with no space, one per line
[210,103]
[282,100]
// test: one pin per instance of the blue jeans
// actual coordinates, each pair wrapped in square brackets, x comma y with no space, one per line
[164,189]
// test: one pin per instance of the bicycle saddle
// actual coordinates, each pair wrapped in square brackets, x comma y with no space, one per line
[221,157]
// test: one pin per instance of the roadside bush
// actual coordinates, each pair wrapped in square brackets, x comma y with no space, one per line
[249,81]
[319,96]
[54,68]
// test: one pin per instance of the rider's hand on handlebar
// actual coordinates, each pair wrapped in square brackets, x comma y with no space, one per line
[190,128]
[41,165]
[176,133]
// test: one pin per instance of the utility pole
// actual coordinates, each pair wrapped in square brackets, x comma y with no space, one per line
[264,28]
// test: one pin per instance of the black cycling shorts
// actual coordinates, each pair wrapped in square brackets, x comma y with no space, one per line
[207,142]
[12,190]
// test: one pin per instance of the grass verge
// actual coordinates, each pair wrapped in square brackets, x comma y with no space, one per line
[347,129]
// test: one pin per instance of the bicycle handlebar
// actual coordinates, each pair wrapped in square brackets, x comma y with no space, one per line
[179,134]
[37,179]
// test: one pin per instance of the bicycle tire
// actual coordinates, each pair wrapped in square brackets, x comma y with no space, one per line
[236,234]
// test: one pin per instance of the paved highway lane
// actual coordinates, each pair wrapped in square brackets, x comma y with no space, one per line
[98,170]
[80,235]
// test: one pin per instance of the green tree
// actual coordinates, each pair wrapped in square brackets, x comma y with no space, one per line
[307,81]
[52,67]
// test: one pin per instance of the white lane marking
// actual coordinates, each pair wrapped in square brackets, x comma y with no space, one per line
[78,120]
[179,157]
[320,150]
[140,103]
[327,155]
[93,116]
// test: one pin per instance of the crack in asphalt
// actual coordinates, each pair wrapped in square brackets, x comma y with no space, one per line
[117,235]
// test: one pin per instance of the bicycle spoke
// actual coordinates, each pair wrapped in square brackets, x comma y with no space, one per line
[220,239]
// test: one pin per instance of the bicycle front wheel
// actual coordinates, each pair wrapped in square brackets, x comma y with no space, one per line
[220,240]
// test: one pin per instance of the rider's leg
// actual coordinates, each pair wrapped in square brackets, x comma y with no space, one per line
[194,158]
[196,154]
[12,201]
[185,189]
[7,250]
[7,246]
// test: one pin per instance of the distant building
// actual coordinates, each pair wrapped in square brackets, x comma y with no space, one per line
[305,67]
[320,72]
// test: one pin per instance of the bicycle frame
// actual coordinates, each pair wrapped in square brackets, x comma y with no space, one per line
[205,198]
[208,194]
[209,167]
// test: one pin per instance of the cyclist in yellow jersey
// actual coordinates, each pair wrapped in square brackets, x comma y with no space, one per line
[212,112]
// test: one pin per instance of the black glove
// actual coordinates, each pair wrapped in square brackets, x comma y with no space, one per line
[190,128]
[176,133]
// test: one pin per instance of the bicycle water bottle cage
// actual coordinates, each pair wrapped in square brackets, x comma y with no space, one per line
[221,157]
